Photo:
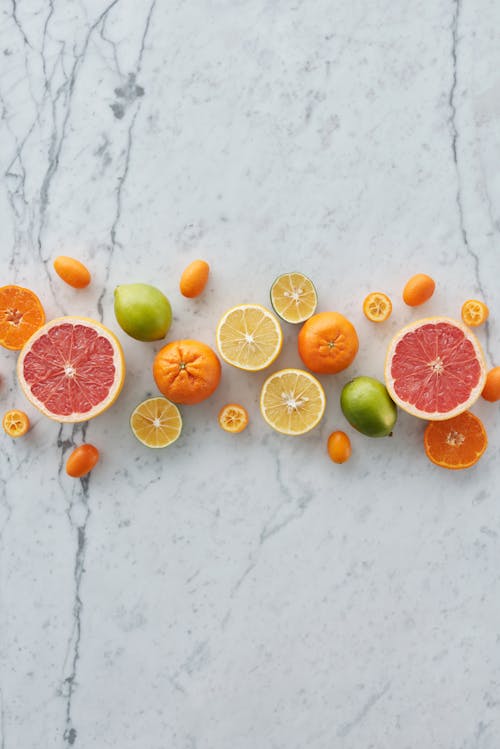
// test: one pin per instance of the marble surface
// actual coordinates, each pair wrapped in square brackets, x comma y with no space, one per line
[246,593]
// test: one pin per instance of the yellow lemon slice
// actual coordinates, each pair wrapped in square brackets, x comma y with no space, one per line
[292,401]
[156,422]
[293,297]
[249,337]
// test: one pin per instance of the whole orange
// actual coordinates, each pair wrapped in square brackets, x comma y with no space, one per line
[328,343]
[186,371]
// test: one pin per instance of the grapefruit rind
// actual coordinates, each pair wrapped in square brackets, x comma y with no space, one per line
[118,361]
[435,415]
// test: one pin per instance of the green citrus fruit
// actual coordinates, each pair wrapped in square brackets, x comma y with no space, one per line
[368,407]
[143,311]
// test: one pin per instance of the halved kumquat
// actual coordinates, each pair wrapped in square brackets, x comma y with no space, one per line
[233,418]
[377,306]
[15,423]
[474,312]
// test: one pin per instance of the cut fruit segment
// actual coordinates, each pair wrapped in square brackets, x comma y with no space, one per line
[292,401]
[72,369]
[233,418]
[156,422]
[456,443]
[21,314]
[435,368]
[249,337]
[474,312]
[377,306]
[293,297]
[15,423]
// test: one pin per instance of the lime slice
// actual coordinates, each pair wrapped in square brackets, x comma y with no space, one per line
[293,297]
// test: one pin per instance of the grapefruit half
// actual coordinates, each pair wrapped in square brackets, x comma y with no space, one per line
[435,368]
[71,369]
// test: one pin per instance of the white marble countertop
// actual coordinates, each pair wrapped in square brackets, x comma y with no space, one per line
[246,593]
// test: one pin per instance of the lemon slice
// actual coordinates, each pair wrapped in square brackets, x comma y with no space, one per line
[156,422]
[293,297]
[249,337]
[292,401]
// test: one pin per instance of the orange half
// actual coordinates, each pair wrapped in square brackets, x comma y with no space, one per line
[456,443]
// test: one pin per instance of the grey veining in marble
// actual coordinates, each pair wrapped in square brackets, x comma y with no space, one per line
[244,592]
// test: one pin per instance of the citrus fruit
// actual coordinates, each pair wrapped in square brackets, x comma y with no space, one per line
[71,369]
[156,422]
[21,313]
[82,460]
[474,312]
[418,290]
[435,368]
[292,401]
[328,343]
[456,443]
[15,423]
[377,306]
[367,406]
[194,278]
[233,418]
[142,311]
[186,371]
[293,297]
[491,390]
[72,271]
[249,337]
[339,447]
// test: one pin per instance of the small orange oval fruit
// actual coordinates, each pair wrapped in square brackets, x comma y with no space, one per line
[72,271]
[194,278]
[82,460]
[474,312]
[418,290]
[15,423]
[377,306]
[491,390]
[233,418]
[339,447]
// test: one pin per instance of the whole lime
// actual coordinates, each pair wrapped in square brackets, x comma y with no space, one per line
[142,311]
[368,407]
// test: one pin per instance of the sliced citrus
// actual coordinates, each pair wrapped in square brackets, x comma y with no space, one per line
[21,314]
[293,297]
[71,369]
[474,312]
[233,418]
[156,422]
[456,443]
[377,306]
[292,401]
[435,368]
[249,337]
[15,423]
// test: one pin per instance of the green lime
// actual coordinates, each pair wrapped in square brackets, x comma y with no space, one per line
[368,407]
[143,311]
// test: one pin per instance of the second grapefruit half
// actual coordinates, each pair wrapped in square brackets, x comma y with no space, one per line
[435,368]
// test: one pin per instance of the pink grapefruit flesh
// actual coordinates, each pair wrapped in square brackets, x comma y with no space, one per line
[71,369]
[435,368]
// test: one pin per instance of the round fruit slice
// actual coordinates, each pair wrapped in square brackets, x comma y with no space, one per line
[293,297]
[21,313]
[72,369]
[474,312]
[249,337]
[233,418]
[377,306]
[292,401]
[156,422]
[15,423]
[435,368]
[456,443]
